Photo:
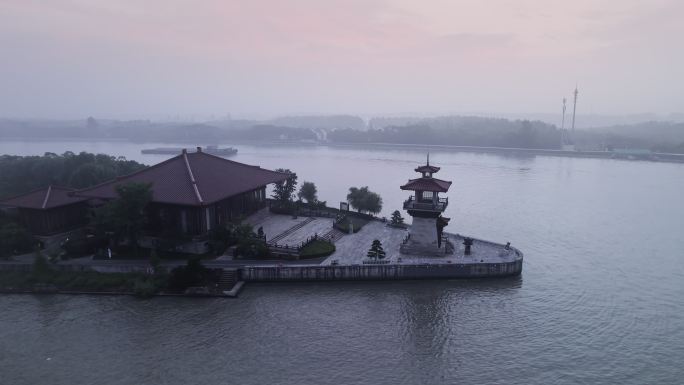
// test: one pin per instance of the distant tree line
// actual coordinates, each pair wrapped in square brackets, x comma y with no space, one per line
[459,132]
[21,174]
[449,130]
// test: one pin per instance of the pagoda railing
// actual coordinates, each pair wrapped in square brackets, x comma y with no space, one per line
[427,205]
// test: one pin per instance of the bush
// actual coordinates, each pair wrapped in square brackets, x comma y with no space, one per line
[144,287]
[283,209]
[192,274]
[317,249]
[41,267]
[15,240]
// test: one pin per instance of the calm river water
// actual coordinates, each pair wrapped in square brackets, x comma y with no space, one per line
[600,300]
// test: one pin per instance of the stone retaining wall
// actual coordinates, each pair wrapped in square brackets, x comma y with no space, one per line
[378,272]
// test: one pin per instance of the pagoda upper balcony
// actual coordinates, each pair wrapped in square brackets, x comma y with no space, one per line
[438,204]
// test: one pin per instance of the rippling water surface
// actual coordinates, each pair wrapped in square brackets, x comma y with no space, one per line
[600,300]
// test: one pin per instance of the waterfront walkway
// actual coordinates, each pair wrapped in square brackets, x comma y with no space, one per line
[352,249]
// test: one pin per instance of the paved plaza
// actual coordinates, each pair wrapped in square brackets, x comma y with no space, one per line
[351,249]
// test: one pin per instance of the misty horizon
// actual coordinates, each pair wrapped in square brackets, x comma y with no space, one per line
[73,59]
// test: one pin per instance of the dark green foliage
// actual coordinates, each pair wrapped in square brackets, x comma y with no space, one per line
[317,249]
[144,287]
[247,244]
[363,199]
[308,193]
[124,216]
[89,281]
[41,267]
[21,174]
[376,251]
[283,191]
[397,219]
[14,239]
[456,130]
[192,274]
[81,245]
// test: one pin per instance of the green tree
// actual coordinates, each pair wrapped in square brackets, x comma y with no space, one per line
[41,268]
[192,274]
[363,199]
[284,191]
[376,251]
[249,245]
[308,193]
[125,215]
[14,239]
[397,219]
[21,174]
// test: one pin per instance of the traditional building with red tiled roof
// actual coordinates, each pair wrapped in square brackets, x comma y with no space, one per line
[50,210]
[194,192]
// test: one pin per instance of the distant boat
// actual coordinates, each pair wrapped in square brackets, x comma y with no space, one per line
[213,150]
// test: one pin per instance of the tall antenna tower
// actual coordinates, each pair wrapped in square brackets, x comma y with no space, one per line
[563,123]
[574,108]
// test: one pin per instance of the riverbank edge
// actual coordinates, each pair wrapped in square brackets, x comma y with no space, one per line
[655,157]
[319,273]
[233,293]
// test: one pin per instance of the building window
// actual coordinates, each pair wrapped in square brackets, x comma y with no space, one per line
[208,215]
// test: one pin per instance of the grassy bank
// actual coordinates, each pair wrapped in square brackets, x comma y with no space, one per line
[47,278]
[82,281]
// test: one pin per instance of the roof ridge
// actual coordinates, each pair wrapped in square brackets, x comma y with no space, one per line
[192,176]
[47,196]
[35,190]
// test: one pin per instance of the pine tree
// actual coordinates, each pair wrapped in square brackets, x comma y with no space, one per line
[376,251]
[397,219]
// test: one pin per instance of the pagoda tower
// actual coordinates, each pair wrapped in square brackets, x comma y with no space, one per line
[426,208]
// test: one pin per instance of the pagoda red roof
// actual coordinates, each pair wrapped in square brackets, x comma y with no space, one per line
[427,184]
[44,198]
[192,179]
[427,168]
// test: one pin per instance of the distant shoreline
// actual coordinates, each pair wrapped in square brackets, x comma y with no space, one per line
[652,157]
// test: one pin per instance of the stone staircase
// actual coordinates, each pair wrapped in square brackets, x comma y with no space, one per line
[227,279]
[289,231]
[333,235]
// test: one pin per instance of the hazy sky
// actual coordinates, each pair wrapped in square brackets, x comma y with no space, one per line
[135,58]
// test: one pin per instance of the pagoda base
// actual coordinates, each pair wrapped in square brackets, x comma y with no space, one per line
[427,250]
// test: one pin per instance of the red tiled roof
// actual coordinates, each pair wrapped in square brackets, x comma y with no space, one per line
[427,184]
[193,179]
[427,168]
[44,198]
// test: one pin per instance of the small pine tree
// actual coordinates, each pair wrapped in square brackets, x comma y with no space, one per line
[397,219]
[376,251]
